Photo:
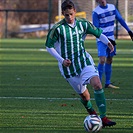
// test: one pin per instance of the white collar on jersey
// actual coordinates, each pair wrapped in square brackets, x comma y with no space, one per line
[73,24]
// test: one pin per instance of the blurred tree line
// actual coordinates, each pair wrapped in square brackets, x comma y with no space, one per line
[15,19]
[30,17]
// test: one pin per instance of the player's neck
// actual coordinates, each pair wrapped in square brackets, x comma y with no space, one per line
[73,24]
[104,7]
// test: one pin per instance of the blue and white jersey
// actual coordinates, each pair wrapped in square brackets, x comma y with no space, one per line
[104,18]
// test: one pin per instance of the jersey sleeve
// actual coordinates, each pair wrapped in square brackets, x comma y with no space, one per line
[95,19]
[121,20]
[91,29]
[52,37]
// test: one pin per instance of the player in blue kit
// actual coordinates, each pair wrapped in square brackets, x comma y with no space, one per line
[104,16]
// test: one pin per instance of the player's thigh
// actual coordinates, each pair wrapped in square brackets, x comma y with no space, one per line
[76,84]
[110,54]
[87,73]
[101,47]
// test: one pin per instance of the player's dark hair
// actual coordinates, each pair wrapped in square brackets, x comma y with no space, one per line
[67,4]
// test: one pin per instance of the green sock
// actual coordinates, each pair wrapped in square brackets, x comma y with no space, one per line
[100,101]
[87,104]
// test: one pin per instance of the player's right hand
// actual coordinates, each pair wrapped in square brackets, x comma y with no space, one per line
[66,62]
[111,47]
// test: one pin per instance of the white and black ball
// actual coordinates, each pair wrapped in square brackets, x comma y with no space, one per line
[92,123]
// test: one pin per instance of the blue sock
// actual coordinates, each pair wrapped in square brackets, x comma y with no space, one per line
[100,70]
[108,72]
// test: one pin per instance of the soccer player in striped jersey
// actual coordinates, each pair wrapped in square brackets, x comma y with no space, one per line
[104,16]
[65,41]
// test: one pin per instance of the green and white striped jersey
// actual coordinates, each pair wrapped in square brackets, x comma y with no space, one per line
[69,43]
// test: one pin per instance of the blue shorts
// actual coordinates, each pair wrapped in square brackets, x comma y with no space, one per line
[103,50]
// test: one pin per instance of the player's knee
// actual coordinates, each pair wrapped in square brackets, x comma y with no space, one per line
[109,60]
[102,60]
[97,86]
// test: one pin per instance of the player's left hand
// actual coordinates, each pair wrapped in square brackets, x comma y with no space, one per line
[111,47]
[130,34]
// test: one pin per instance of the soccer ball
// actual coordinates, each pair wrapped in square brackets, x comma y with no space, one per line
[92,123]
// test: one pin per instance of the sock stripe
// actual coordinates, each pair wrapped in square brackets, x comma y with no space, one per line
[98,91]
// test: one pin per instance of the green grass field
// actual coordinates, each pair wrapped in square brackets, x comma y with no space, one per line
[34,97]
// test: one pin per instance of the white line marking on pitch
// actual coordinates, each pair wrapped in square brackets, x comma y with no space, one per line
[43,98]
[123,51]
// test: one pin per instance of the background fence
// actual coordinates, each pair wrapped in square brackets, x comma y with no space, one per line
[34,18]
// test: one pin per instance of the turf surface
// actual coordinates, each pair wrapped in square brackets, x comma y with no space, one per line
[34,97]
